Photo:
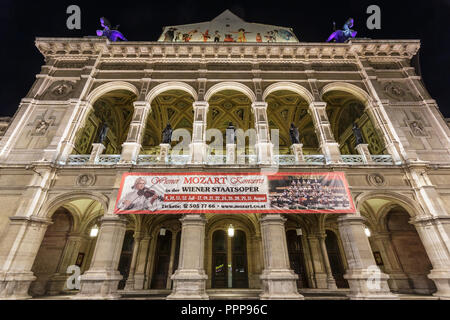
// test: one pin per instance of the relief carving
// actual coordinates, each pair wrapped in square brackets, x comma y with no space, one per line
[85,180]
[376,179]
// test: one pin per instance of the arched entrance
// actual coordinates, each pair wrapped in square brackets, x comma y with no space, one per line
[162,261]
[297,258]
[229,260]
[51,251]
[125,257]
[334,256]
[68,241]
[410,251]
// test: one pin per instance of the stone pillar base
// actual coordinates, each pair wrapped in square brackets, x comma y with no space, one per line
[279,285]
[331,152]
[15,286]
[130,152]
[99,285]
[97,150]
[139,280]
[163,152]
[264,152]
[360,282]
[231,153]
[331,283]
[129,285]
[297,151]
[188,285]
[441,279]
[363,150]
[321,280]
[56,284]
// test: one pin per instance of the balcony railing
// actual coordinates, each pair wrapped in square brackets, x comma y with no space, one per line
[77,159]
[352,159]
[216,159]
[147,159]
[383,159]
[280,160]
[109,159]
[314,158]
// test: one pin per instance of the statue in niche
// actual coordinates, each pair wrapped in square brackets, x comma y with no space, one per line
[231,133]
[357,133]
[167,134]
[103,132]
[295,135]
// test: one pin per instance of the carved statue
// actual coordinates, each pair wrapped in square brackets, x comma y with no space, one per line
[42,126]
[103,132]
[112,35]
[231,133]
[293,132]
[345,34]
[167,134]
[357,133]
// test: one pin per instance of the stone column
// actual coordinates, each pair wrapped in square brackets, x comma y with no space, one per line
[57,282]
[97,150]
[81,111]
[317,259]
[435,241]
[142,258]
[18,250]
[102,279]
[132,146]
[278,279]
[189,281]
[297,151]
[398,280]
[329,146]
[363,150]
[264,147]
[198,147]
[129,285]
[365,279]
[331,283]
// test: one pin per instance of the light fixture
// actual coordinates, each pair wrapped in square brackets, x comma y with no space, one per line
[94,231]
[299,231]
[162,232]
[231,231]
[367,231]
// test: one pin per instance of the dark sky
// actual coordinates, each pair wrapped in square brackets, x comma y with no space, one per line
[22,21]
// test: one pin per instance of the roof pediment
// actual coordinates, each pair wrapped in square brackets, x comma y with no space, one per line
[227,27]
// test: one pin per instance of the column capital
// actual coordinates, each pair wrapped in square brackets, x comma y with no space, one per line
[31,219]
[200,104]
[349,218]
[272,217]
[259,104]
[141,104]
[318,104]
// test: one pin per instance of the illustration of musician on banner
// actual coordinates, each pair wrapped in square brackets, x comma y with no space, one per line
[142,197]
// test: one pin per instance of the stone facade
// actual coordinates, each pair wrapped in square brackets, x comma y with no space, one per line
[398,178]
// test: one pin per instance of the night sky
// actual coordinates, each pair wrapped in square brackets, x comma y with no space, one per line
[22,21]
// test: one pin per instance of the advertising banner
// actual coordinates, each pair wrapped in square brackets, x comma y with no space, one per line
[200,192]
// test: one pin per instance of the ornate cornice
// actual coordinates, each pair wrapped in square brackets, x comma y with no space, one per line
[92,46]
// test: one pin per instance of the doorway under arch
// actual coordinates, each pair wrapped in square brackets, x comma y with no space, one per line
[334,256]
[229,260]
[297,258]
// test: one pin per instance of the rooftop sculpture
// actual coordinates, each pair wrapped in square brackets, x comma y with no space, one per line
[341,36]
[112,35]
